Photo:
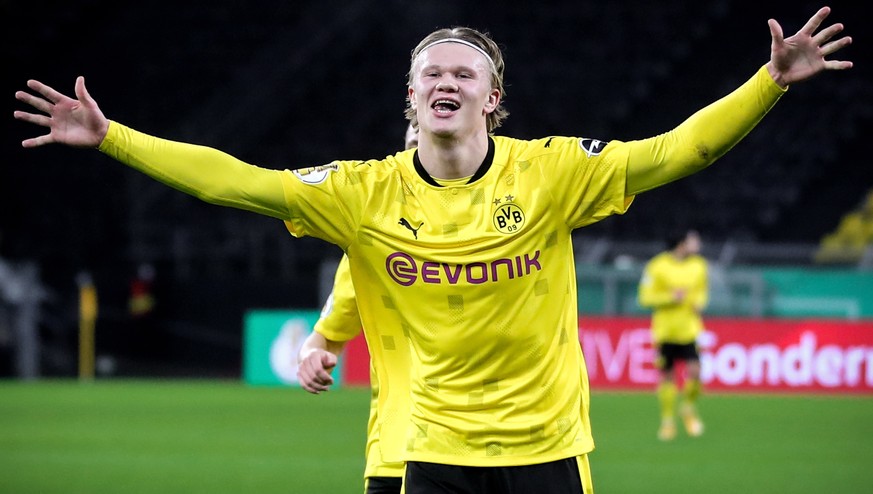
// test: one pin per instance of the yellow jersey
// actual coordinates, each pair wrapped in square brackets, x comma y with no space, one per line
[339,321]
[473,278]
[664,275]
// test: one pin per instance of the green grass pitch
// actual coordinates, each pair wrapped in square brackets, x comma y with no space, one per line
[225,437]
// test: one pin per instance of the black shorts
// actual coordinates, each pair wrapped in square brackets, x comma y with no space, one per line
[384,485]
[557,477]
[669,353]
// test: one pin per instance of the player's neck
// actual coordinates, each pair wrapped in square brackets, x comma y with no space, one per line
[450,158]
[680,254]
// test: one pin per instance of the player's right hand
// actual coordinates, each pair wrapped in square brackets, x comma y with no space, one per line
[74,122]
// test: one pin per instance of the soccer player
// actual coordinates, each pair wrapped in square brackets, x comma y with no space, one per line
[339,323]
[675,286]
[462,248]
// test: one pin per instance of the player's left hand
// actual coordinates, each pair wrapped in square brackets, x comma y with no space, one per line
[802,55]
[313,372]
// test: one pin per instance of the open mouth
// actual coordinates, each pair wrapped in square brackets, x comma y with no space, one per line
[445,106]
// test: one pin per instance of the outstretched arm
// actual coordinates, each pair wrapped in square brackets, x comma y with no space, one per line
[715,129]
[204,172]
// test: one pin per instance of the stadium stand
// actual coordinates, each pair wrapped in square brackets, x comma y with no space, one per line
[852,240]
[251,80]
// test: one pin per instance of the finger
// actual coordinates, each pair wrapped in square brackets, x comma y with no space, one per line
[38,120]
[32,118]
[37,141]
[815,21]
[826,34]
[82,93]
[837,65]
[314,375]
[833,46]
[309,388]
[38,103]
[304,375]
[323,377]
[314,387]
[776,32]
[306,372]
[328,360]
[317,387]
[46,91]
[309,384]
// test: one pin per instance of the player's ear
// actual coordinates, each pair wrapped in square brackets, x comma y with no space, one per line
[410,94]
[493,100]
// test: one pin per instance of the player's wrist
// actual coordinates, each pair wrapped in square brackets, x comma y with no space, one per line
[776,75]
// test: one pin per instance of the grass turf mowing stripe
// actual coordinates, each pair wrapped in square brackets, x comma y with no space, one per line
[752,443]
[225,437]
[148,437]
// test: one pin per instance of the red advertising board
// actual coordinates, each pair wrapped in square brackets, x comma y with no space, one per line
[754,355]
[741,355]
[356,369]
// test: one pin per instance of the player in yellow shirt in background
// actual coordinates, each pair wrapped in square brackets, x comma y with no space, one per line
[339,323]
[461,250]
[675,286]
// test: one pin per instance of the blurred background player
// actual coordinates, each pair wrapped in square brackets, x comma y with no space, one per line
[339,323]
[410,139]
[675,286]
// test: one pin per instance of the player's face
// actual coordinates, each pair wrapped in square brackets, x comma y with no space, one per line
[692,243]
[451,90]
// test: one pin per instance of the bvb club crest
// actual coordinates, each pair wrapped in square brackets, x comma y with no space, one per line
[508,218]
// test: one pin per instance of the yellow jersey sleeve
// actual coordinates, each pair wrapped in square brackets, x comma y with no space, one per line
[203,172]
[327,201]
[595,169]
[339,320]
[702,138]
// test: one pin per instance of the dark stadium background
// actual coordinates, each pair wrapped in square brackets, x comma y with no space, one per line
[292,84]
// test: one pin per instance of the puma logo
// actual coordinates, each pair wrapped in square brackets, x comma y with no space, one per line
[409,227]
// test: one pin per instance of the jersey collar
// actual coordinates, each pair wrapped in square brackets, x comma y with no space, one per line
[481,171]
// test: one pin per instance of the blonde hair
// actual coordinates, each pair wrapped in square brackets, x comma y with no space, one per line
[480,41]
